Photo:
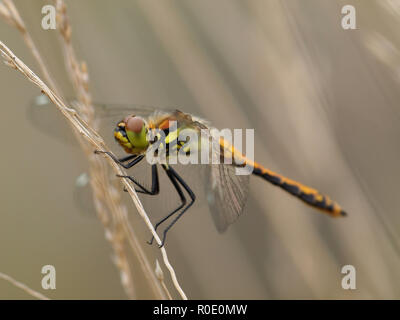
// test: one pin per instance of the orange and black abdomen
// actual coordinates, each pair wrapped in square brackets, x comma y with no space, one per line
[309,195]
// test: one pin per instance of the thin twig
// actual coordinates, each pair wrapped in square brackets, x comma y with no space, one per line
[97,169]
[97,142]
[99,180]
[11,15]
[160,277]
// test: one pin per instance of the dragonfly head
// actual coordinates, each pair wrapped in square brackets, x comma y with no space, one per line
[131,134]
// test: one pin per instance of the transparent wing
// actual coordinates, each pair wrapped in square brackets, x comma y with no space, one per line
[119,111]
[226,191]
[227,194]
[82,195]
[45,117]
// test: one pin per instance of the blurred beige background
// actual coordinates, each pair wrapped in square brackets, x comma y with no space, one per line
[324,105]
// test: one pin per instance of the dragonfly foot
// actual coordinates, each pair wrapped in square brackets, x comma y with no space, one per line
[151,241]
[163,240]
[125,189]
[160,245]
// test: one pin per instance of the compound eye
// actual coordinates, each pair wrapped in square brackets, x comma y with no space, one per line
[134,124]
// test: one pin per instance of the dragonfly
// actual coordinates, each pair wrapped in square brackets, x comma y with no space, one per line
[227,191]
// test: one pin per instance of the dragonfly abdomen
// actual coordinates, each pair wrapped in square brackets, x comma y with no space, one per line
[308,195]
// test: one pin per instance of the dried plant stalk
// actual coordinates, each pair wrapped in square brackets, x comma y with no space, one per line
[100,182]
[105,205]
[97,142]
[160,277]
[24,287]
[11,15]
[91,138]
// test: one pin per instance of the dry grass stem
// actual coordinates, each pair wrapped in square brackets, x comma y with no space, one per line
[10,13]
[105,194]
[115,220]
[160,277]
[95,140]
[106,206]
[24,287]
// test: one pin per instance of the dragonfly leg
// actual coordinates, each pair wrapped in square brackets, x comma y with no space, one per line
[192,197]
[136,159]
[155,185]
[127,158]
[181,195]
